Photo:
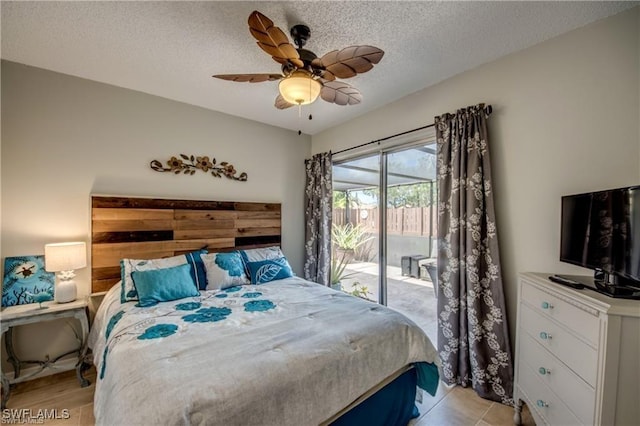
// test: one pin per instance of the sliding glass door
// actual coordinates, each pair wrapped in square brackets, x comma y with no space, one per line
[384,228]
[356,228]
[410,204]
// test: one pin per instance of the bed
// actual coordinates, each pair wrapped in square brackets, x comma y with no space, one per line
[283,351]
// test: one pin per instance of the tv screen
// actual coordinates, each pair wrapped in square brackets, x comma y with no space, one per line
[601,230]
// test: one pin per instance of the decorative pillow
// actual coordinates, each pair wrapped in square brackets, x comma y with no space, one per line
[224,270]
[163,285]
[255,255]
[198,270]
[127,266]
[266,253]
[264,271]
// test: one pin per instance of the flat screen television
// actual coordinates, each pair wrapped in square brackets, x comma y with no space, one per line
[601,231]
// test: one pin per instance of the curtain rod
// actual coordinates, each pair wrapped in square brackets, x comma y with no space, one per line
[488,110]
[383,139]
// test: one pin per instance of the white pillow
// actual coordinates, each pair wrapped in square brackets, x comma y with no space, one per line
[266,253]
[224,270]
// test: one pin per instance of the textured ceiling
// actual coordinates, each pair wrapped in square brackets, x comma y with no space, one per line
[171,48]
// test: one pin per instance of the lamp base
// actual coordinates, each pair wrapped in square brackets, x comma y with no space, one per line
[66,291]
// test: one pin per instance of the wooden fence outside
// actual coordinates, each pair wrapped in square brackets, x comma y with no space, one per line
[410,221]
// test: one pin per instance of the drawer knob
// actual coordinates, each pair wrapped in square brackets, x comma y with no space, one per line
[540,403]
[545,336]
[544,371]
[547,305]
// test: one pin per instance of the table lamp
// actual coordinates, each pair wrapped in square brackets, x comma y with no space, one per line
[63,258]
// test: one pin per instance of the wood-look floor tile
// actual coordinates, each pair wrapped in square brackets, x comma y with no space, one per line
[51,397]
[86,416]
[459,407]
[45,387]
[428,401]
[69,400]
[73,420]
[499,414]
[63,393]
[42,382]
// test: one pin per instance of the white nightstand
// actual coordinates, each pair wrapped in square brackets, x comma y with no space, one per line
[14,316]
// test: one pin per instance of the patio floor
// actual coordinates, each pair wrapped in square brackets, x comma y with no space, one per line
[413,297]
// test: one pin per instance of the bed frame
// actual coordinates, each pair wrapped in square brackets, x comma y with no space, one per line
[148,228]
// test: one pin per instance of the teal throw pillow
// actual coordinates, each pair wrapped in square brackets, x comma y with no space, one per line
[163,285]
[264,271]
[128,291]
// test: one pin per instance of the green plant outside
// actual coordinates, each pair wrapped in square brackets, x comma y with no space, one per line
[349,237]
[337,270]
[359,290]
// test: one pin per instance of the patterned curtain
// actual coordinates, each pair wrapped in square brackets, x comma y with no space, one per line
[318,199]
[473,338]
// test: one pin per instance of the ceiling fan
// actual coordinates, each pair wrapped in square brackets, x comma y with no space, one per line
[304,75]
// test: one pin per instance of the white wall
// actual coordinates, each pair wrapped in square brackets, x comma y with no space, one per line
[64,138]
[565,120]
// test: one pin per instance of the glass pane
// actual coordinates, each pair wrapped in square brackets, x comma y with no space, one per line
[355,226]
[410,231]
[411,213]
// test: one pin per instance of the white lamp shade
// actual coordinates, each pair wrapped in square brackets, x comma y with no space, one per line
[65,256]
[299,88]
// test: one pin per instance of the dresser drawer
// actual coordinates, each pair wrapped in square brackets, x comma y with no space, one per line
[576,393]
[574,353]
[578,320]
[543,400]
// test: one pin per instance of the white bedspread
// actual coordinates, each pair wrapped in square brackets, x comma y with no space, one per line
[308,355]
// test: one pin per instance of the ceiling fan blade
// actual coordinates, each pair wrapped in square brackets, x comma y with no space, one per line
[251,78]
[351,60]
[272,39]
[340,93]
[319,69]
[281,103]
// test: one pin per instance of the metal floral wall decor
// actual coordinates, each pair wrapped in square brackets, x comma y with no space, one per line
[189,164]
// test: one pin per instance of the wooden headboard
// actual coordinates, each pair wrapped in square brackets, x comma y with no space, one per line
[149,228]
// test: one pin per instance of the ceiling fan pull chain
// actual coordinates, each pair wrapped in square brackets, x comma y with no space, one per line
[310,104]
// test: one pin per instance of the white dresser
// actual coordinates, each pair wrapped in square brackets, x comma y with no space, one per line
[577,355]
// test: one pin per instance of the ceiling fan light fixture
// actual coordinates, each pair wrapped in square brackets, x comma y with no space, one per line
[299,88]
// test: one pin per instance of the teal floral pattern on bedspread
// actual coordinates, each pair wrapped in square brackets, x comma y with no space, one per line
[208,315]
[166,320]
[157,331]
[112,323]
[189,306]
[258,306]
